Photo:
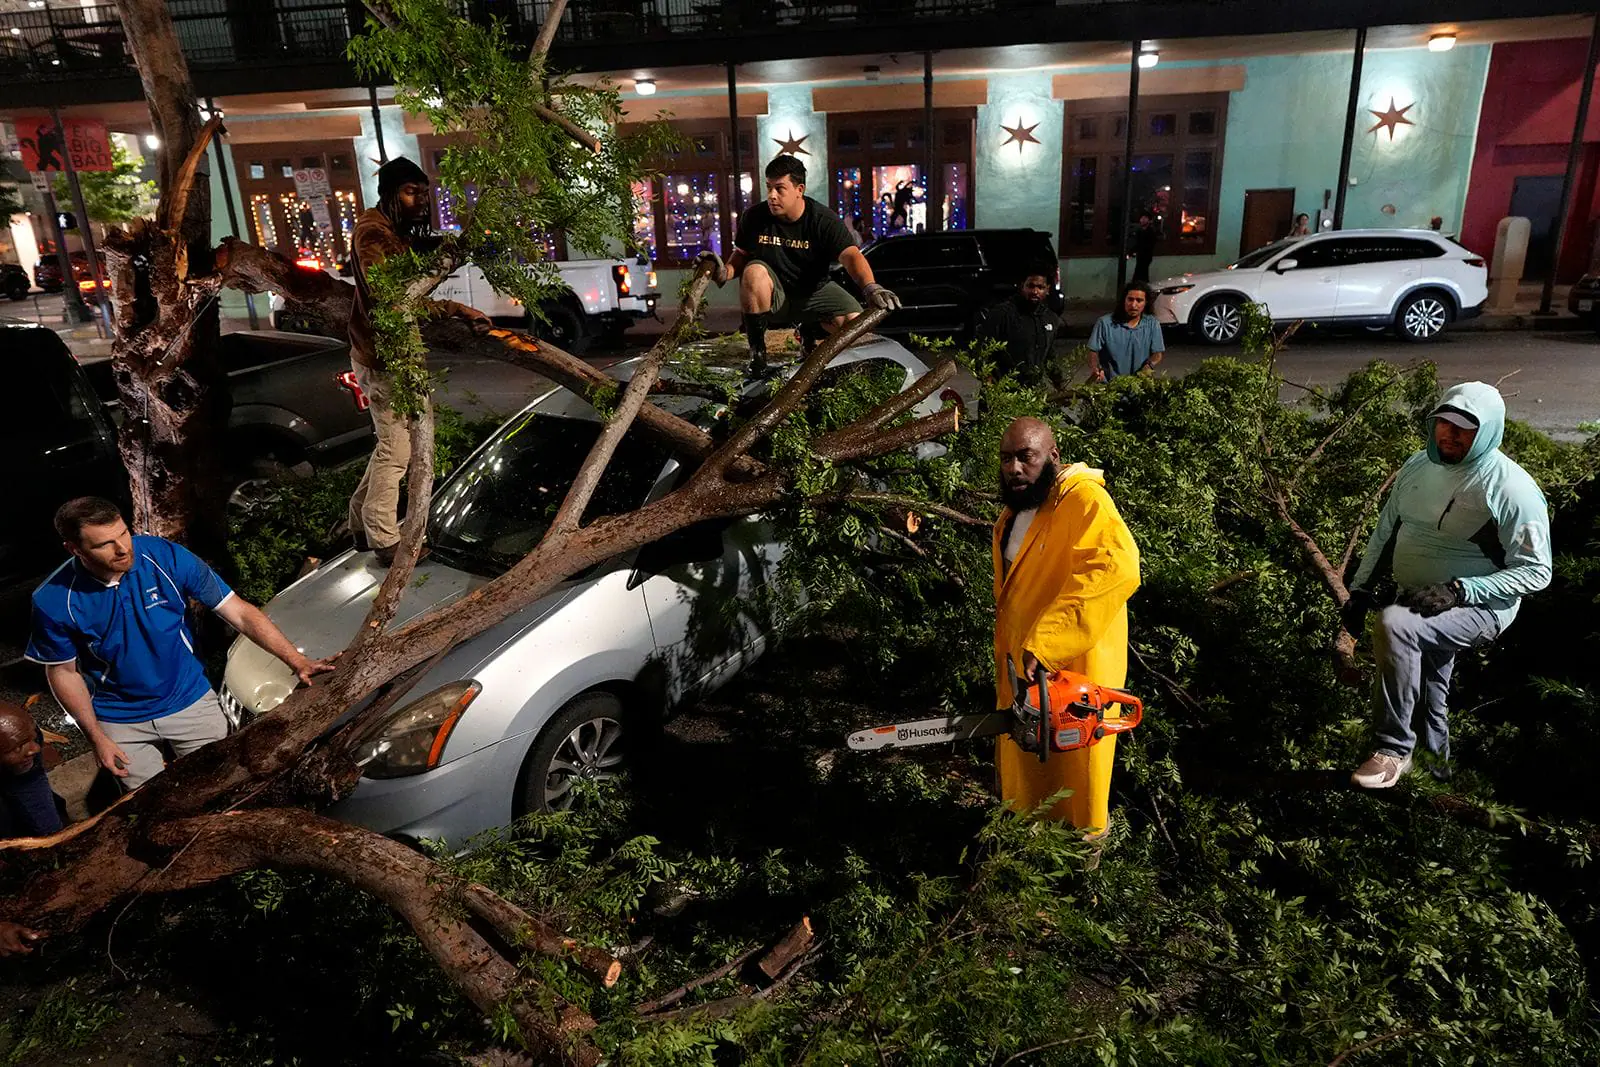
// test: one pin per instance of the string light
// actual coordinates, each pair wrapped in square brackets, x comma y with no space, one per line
[266,229]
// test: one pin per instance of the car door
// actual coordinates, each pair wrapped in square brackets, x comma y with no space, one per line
[701,588]
[1309,289]
[1376,270]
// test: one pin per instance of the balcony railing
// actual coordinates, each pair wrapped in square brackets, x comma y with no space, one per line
[64,43]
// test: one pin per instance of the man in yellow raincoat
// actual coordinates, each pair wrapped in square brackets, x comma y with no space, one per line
[1064,568]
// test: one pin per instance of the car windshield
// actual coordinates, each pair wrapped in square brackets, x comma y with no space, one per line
[1261,255]
[496,509]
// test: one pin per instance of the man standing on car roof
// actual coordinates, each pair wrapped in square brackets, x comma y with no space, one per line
[1465,534]
[1024,323]
[110,628]
[399,223]
[782,251]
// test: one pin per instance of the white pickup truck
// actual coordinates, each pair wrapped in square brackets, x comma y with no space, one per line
[603,298]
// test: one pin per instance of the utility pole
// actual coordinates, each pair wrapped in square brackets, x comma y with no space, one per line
[929,184]
[1349,129]
[227,199]
[733,141]
[1123,223]
[73,310]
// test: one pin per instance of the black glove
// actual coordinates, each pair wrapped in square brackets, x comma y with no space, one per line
[1354,613]
[879,297]
[1434,600]
[718,268]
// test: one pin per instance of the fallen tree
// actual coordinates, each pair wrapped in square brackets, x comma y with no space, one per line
[241,803]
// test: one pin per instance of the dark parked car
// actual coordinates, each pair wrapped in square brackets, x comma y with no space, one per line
[1584,299]
[14,281]
[947,279]
[47,273]
[295,405]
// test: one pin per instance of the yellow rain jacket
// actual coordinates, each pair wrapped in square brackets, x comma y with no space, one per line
[1065,599]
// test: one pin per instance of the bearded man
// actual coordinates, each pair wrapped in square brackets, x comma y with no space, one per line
[1065,565]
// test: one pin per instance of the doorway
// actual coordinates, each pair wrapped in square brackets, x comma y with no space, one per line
[1537,198]
[1268,216]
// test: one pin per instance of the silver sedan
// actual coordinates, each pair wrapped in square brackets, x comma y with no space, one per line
[508,721]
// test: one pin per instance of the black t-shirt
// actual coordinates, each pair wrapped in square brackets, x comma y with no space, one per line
[798,253]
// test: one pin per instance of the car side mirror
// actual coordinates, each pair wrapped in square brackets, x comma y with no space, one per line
[1285,264]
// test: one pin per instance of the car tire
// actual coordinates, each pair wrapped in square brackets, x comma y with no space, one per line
[562,327]
[18,290]
[584,741]
[1219,321]
[254,483]
[1422,316]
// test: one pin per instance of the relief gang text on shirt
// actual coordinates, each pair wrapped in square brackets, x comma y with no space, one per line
[798,253]
[130,638]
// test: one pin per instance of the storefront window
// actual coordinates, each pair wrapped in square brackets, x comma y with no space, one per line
[1173,176]
[902,205]
[692,222]
[955,208]
[847,192]
[644,218]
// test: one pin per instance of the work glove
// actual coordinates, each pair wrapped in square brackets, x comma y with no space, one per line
[879,297]
[1433,600]
[718,268]
[1353,615]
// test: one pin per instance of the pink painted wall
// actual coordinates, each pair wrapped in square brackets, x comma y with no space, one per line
[1530,101]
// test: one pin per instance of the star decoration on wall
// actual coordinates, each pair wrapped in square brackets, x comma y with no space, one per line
[1020,134]
[1392,118]
[791,145]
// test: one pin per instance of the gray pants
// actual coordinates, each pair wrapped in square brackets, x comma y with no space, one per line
[1416,657]
[196,726]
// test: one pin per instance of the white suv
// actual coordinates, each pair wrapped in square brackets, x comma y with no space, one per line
[1415,281]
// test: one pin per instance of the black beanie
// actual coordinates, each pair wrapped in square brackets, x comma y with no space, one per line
[397,172]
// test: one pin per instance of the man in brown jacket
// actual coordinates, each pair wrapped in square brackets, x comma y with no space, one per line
[400,222]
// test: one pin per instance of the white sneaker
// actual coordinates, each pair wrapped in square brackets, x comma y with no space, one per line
[1380,771]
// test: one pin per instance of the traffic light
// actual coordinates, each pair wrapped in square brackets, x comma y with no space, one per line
[66,220]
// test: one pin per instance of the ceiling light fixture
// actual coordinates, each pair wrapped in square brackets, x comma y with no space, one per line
[1149,59]
[152,141]
[645,86]
[1441,42]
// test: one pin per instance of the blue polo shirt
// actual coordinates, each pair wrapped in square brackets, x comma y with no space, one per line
[130,638]
[1123,349]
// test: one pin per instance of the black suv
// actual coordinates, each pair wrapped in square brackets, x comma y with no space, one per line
[947,279]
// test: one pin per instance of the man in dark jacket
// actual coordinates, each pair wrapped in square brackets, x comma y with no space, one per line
[27,806]
[400,222]
[1025,325]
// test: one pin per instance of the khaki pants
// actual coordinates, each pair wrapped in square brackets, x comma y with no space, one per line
[196,726]
[375,507]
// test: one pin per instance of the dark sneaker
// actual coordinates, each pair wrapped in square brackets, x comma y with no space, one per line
[1381,771]
[386,555]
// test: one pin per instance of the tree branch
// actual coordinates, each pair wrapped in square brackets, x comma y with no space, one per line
[884,441]
[216,846]
[176,200]
[1361,520]
[910,504]
[896,405]
[605,446]
[667,1000]
[789,397]
[521,930]
[547,32]
[1311,457]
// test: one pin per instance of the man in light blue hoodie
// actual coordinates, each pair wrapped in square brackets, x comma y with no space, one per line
[1466,534]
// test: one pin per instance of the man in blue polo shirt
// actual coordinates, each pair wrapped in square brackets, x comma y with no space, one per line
[109,628]
[1127,340]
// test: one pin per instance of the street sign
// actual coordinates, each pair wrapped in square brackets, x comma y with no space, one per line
[46,147]
[66,220]
[41,181]
[311,183]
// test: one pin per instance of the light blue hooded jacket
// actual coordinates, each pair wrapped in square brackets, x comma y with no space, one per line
[1482,520]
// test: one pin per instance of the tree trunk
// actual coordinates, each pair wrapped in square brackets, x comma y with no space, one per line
[165,361]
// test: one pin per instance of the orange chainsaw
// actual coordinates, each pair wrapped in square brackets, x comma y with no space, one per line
[1069,713]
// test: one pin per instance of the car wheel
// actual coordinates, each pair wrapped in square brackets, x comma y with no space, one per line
[1422,316]
[584,742]
[257,485]
[562,327]
[18,290]
[1219,321]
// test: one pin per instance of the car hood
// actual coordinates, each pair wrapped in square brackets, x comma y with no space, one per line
[321,613]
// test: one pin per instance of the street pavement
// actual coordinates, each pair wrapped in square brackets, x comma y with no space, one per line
[1551,378]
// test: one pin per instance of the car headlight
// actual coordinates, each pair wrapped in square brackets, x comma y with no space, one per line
[1174,290]
[410,739]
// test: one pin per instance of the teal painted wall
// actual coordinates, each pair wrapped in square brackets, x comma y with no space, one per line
[789,115]
[1012,186]
[1285,128]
